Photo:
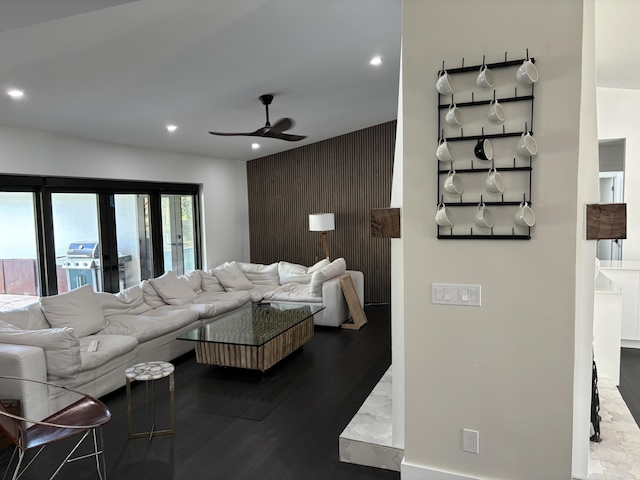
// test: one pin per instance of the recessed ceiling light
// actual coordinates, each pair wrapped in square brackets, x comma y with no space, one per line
[15,93]
[172,128]
[376,61]
[255,146]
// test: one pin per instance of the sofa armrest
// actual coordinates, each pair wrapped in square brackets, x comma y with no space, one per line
[336,310]
[25,361]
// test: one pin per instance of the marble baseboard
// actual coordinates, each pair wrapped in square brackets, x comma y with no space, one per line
[367,440]
[617,456]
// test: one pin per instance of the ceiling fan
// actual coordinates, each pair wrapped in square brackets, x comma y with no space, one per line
[271,131]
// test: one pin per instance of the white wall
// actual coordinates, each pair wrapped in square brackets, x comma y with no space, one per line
[224,200]
[618,118]
[506,368]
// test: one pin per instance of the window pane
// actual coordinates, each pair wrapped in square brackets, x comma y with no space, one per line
[134,239]
[75,229]
[177,233]
[19,274]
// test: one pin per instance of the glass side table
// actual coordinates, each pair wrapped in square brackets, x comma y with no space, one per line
[149,372]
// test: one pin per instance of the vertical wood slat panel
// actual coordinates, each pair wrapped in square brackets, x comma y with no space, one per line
[347,175]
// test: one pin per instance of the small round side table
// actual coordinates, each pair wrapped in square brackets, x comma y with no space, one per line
[149,372]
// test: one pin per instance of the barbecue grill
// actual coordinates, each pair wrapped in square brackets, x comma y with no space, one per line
[82,264]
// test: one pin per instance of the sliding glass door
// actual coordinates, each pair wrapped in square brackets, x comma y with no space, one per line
[19,265]
[178,227]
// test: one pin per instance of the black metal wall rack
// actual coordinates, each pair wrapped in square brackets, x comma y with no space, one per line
[470,230]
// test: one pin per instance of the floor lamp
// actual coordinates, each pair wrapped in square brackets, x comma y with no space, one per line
[323,223]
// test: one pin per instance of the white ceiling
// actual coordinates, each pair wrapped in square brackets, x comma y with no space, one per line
[120,70]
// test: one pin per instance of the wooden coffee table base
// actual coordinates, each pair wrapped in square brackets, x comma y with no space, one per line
[260,357]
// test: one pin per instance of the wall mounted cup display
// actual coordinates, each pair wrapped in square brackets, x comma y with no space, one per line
[453,183]
[453,116]
[483,217]
[527,146]
[524,216]
[444,85]
[527,73]
[494,183]
[496,113]
[443,216]
[485,78]
[483,149]
[443,153]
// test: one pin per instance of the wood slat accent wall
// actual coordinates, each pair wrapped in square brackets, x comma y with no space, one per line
[347,175]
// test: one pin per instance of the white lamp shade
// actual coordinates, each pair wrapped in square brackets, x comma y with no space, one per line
[321,222]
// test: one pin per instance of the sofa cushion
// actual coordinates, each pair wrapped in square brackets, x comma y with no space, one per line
[130,300]
[78,309]
[61,346]
[334,269]
[109,346]
[193,280]
[294,273]
[210,283]
[151,324]
[29,317]
[172,290]
[231,277]
[291,292]
[150,296]
[259,274]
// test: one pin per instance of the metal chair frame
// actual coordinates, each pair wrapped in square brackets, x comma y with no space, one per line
[47,428]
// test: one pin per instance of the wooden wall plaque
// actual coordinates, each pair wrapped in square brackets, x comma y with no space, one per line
[607,221]
[385,222]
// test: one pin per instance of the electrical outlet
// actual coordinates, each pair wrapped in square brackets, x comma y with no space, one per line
[470,440]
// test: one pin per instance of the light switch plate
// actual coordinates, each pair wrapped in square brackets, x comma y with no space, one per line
[451,294]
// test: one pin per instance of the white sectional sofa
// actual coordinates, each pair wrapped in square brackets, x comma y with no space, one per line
[49,340]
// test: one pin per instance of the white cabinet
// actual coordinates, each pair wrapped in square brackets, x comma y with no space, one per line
[607,317]
[629,281]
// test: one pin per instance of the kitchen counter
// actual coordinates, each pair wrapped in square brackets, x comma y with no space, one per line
[620,264]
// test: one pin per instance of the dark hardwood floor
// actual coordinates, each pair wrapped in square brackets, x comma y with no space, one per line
[236,424]
[630,380]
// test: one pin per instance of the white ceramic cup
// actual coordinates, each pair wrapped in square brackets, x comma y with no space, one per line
[524,216]
[496,112]
[453,183]
[453,116]
[494,183]
[527,146]
[444,85]
[484,217]
[442,152]
[443,216]
[485,78]
[527,73]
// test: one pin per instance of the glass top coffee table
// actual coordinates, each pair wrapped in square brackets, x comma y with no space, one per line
[256,336]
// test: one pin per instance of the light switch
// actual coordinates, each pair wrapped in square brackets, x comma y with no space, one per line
[450,294]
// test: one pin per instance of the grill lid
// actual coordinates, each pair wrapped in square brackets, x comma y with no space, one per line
[83,249]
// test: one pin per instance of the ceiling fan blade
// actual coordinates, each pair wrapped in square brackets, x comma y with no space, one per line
[282,125]
[285,136]
[258,133]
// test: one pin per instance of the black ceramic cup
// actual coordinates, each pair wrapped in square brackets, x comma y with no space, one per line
[483,149]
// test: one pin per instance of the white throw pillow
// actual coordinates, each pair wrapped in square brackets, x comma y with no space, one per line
[231,277]
[210,283]
[150,296]
[78,309]
[193,280]
[294,273]
[334,269]
[61,347]
[129,300]
[259,274]
[172,290]
[29,317]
